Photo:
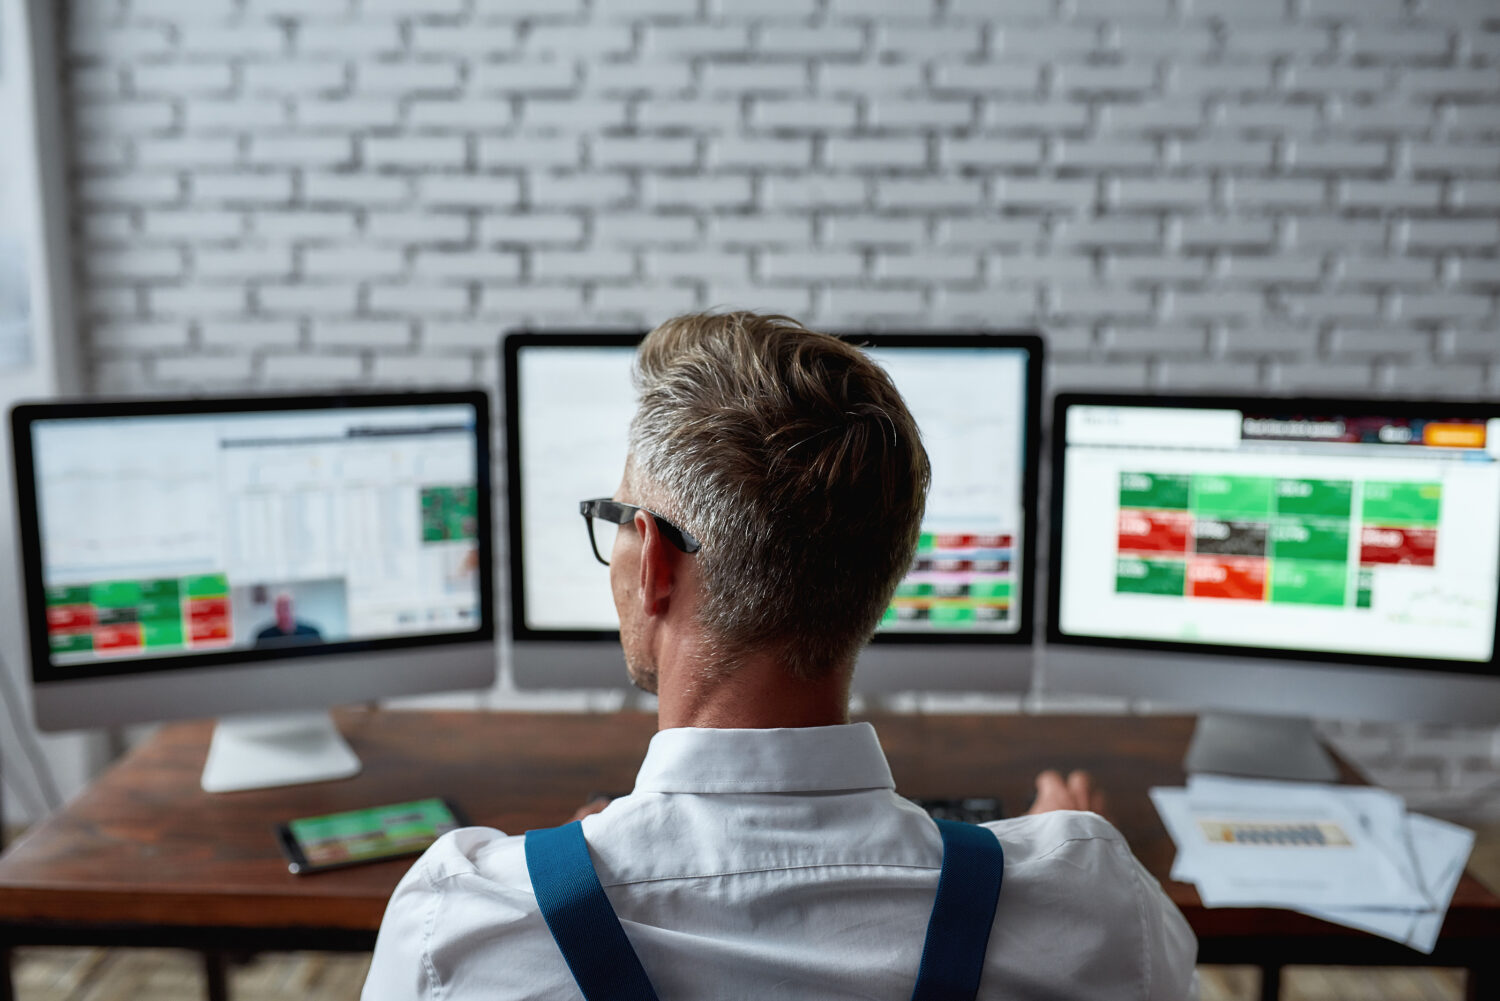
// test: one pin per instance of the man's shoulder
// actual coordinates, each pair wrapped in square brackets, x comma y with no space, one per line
[465,913]
[1071,879]
[475,851]
[474,875]
[1054,850]
[1063,846]
[1035,836]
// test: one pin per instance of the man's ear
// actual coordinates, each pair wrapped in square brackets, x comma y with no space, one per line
[658,566]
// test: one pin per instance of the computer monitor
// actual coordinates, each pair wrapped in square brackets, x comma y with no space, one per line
[960,621]
[240,556]
[1276,558]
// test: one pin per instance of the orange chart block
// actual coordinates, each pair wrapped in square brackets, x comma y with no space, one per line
[123,638]
[1238,578]
[209,630]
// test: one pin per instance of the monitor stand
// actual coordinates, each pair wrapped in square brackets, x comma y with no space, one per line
[1273,747]
[257,752]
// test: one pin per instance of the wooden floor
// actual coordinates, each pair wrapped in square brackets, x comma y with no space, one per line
[56,974]
[171,975]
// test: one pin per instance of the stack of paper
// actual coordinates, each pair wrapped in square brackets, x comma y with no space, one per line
[1346,854]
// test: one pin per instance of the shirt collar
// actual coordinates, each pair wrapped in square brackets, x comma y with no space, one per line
[799,759]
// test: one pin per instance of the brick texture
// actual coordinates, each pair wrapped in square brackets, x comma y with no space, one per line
[1295,197]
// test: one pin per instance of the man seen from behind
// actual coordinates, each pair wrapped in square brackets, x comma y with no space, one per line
[770,503]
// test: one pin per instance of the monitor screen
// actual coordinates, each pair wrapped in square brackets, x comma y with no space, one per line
[233,531]
[571,400]
[1363,532]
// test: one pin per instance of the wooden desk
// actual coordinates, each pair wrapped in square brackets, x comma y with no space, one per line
[144,857]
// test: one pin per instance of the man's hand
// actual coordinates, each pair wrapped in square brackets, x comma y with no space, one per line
[1077,792]
[590,808]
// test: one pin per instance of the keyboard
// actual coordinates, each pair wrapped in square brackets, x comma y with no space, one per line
[970,810]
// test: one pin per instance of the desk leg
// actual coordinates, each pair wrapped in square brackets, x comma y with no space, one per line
[7,985]
[1481,983]
[215,976]
[1270,983]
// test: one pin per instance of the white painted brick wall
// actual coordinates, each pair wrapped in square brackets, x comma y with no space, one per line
[1211,193]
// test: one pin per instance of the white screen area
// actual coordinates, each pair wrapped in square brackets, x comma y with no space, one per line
[184,534]
[1347,534]
[575,405]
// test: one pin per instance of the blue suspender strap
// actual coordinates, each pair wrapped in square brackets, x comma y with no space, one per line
[958,933]
[604,964]
[580,917]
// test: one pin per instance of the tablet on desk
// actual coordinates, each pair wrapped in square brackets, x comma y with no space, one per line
[336,840]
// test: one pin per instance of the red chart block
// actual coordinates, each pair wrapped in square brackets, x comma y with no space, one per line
[69,618]
[1415,547]
[953,541]
[208,608]
[1240,578]
[1154,532]
[122,638]
[208,630]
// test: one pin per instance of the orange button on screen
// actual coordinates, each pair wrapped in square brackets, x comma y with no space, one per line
[1454,435]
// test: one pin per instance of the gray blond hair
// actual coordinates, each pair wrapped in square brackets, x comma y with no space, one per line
[793,459]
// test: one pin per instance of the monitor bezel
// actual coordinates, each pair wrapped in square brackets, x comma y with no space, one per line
[24,415]
[1028,341]
[1333,406]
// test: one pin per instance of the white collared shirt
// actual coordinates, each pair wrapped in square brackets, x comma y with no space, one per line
[782,864]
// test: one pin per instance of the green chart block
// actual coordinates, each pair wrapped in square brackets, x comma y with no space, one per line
[116,593]
[1304,582]
[926,542]
[1160,491]
[432,516]
[909,589]
[69,595]
[449,513]
[889,617]
[1319,498]
[209,585]
[1310,539]
[1365,589]
[72,642]
[990,589]
[1243,496]
[950,615]
[463,501]
[161,632]
[160,590]
[1137,576]
[159,608]
[1403,504]
[433,525]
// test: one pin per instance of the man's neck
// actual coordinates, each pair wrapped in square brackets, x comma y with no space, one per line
[757,693]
